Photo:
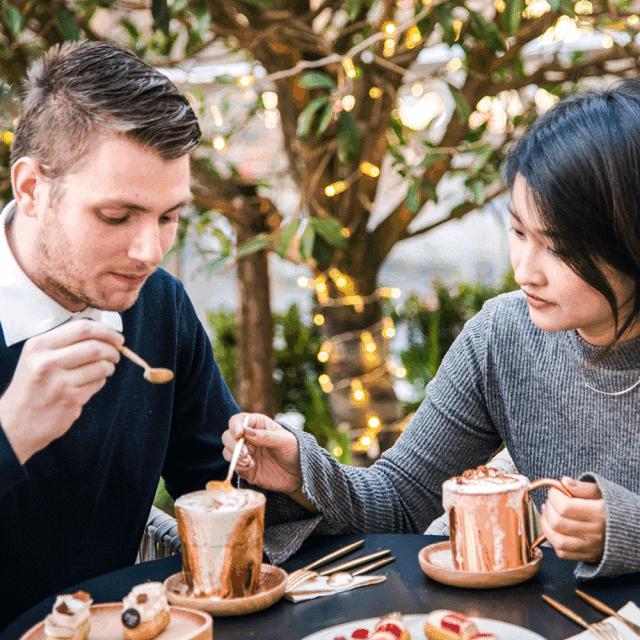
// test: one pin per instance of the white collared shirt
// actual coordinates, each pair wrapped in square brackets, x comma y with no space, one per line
[26,310]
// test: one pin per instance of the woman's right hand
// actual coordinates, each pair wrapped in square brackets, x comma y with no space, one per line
[270,457]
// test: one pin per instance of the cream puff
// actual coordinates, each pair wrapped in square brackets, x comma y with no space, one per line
[443,624]
[145,612]
[391,627]
[70,617]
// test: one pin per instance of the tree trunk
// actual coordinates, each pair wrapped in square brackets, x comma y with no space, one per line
[255,327]
[358,367]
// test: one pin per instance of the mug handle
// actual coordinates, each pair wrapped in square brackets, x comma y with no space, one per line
[547,482]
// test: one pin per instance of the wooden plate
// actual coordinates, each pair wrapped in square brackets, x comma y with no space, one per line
[435,560]
[185,624]
[273,582]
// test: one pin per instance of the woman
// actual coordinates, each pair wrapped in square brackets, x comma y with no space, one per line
[553,370]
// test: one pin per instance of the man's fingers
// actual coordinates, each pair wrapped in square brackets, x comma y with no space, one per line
[94,372]
[77,331]
[82,353]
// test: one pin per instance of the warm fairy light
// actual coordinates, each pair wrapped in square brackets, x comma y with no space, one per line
[400,372]
[389,28]
[321,287]
[358,304]
[357,391]
[270,99]
[365,441]
[373,422]
[337,451]
[348,102]
[455,64]
[368,342]
[369,169]
[389,47]
[345,232]
[536,8]
[375,93]
[318,319]
[341,282]
[323,356]
[388,328]
[324,379]
[499,5]
[7,137]
[349,68]
[335,188]
[219,143]
[583,8]
[246,80]
[217,115]
[303,282]
[457,25]
[413,37]
[633,20]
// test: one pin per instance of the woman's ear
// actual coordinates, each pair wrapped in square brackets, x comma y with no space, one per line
[30,187]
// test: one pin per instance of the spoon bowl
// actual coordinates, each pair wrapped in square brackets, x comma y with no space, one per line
[158,375]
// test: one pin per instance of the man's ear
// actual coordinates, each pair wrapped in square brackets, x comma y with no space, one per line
[30,188]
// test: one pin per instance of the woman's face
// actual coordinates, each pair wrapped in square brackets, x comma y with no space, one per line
[558,299]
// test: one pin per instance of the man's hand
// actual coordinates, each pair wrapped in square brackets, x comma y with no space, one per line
[58,372]
[575,526]
[270,458]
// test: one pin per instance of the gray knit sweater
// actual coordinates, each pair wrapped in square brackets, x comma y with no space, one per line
[503,380]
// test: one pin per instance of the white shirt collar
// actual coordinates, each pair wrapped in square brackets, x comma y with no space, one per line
[26,310]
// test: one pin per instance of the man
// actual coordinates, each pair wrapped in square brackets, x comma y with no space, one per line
[100,172]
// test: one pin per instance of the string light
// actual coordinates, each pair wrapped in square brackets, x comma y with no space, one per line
[217,116]
[633,20]
[219,143]
[318,319]
[374,422]
[7,137]
[457,25]
[389,47]
[389,330]
[246,80]
[413,37]
[302,282]
[335,188]
[348,102]
[389,28]
[345,232]
[323,356]
[358,394]
[500,5]
[369,169]
[349,68]
[337,451]
[375,93]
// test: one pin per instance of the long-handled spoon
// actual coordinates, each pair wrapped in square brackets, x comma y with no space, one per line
[226,483]
[155,375]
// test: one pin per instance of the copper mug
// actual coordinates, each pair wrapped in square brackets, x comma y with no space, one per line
[491,519]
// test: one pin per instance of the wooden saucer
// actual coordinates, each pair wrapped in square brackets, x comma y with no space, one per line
[273,582]
[185,624]
[435,560]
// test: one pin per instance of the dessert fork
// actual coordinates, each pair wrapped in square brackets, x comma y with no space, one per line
[602,630]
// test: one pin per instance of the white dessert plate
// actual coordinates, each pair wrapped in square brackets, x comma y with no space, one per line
[106,624]
[415,624]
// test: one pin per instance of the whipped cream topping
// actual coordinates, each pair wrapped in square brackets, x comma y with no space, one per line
[70,612]
[217,499]
[148,599]
[485,480]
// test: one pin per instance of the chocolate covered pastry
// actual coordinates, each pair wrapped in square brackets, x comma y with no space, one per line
[145,612]
[70,617]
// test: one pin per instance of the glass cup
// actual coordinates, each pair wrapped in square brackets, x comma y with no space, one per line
[222,534]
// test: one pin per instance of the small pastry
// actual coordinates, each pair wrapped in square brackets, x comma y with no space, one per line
[449,625]
[391,627]
[70,617]
[145,612]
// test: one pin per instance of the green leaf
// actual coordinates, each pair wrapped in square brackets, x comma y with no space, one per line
[67,24]
[353,8]
[444,18]
[512,16]
[431,158]
[306,116]
[486,31]
[160,13]
[482,157]
[316,80]
[13,18]
[325,119]
[257,243]
[331,230]
[477,190]
[286,236]
[348,138]
[306,242]
[462,106]
[413,199]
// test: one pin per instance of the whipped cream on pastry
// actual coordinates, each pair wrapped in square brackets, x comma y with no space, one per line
[147,599]
[70,613]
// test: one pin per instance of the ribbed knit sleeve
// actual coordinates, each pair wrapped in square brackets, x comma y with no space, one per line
[622,536]
[401,491]
[11,471]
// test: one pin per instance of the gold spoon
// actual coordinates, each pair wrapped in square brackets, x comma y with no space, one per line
[225,484]
[155,375]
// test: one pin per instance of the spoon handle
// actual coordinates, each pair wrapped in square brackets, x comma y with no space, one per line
[134,357]
[234,459]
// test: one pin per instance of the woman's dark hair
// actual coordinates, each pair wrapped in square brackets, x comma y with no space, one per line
[581,163]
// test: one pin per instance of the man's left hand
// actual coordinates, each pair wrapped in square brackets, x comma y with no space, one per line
[575,526]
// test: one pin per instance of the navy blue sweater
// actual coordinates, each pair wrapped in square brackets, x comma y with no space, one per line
[78,508]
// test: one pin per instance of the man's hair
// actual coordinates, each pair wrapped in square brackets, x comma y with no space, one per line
[78,91]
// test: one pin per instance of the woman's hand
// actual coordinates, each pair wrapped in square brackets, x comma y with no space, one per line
[575,526]
[270,458]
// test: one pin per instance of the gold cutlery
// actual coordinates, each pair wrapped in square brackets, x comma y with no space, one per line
[602,630]
[601,606]
[334,555]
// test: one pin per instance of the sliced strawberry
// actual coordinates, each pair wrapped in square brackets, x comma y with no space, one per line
[360,634]
[390,627]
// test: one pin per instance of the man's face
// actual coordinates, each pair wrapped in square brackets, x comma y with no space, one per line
[559,300]
[110,227]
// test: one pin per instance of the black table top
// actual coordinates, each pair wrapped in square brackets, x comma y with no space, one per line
[407,590]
